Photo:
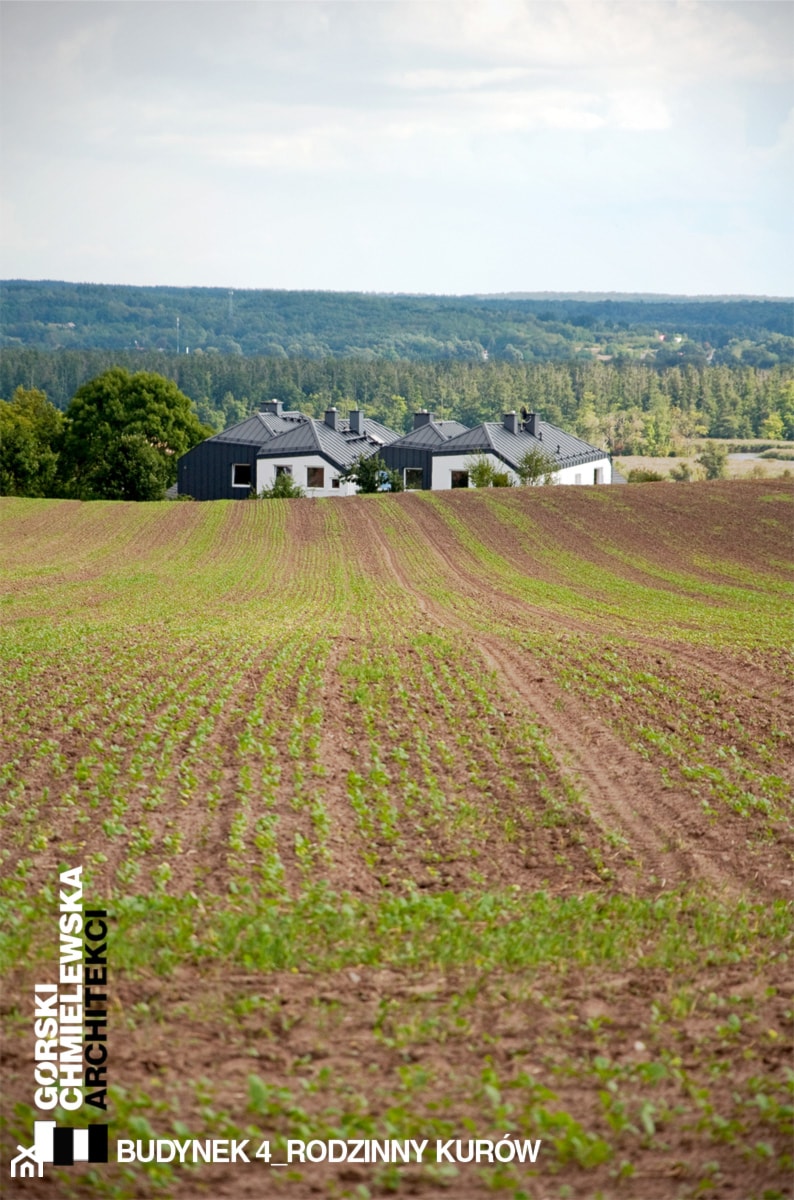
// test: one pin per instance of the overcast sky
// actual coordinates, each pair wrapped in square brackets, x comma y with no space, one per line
[461,146]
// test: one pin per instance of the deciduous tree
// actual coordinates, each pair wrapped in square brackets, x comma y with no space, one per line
[30,436]
[124,434]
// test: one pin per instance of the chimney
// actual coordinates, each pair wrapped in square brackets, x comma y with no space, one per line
[356,418]
[273,406]
[510,421]
[422,418]
[531,425]
[330,418]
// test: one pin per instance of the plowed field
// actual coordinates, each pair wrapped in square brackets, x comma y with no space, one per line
[444,816]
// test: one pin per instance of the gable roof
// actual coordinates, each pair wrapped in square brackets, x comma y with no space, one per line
[341,448]
[258,428]
[374,429]
[431,434]
[565,449]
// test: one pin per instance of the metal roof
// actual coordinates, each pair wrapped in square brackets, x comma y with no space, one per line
[432,434]
[315,437]
[564,448]
[381,433]
[258,428]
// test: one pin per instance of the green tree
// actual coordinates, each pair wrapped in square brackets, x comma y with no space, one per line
[714,461]
[124,435]
[30,436]
[772,427]
[535,468]
[370,474]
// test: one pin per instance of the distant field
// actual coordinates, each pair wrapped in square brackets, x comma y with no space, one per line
[438,815]
[737,466]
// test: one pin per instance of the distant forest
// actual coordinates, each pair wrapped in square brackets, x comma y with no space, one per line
[626,406]
[322,325]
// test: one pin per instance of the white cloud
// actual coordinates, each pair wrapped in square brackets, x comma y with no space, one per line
[335,120]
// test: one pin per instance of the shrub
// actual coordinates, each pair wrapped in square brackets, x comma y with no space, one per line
[714,460]
[481,471]
[370,474]
[639,475]
[283,487]
[536,468]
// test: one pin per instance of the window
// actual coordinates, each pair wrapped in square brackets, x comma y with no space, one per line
[414,479]
[241,475]
[599,475]
[335,481]
[283,469]
[460,479]
[577,477]
[315,477]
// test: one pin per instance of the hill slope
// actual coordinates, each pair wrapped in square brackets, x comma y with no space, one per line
[428,809]
[82,316]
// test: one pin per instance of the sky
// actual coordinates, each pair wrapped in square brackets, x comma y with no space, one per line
[457,147]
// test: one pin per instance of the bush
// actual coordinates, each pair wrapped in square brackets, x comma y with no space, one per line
[481,471]
[639,475]
[714,460]
[283,487]
[536,468]
[370,474]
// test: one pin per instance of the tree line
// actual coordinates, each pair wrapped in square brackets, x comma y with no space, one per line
[626,408]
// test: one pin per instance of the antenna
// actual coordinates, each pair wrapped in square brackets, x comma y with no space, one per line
[230,311]
[177,335]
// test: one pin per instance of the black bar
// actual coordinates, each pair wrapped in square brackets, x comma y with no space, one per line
[62,1147]
[97,1143]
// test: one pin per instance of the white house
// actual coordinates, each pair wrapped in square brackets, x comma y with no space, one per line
[317,453]
[574,461]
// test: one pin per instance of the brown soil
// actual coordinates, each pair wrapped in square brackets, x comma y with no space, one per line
[352,1038]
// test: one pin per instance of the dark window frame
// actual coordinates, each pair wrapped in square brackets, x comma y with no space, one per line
[245,467]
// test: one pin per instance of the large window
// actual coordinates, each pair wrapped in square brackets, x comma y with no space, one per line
[414,478]
[460,479]
[315,477]
[241,475]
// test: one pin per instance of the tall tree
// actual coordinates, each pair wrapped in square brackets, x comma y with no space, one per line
[124,434]
[30,435]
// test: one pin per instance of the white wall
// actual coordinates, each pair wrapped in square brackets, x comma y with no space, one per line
[266,474]
[445,464]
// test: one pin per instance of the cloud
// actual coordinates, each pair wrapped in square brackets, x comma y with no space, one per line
[334,120]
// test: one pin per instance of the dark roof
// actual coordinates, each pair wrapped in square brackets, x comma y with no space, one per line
[259,428]
[432,434]
[564,448]
[341,448]
[381,433]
